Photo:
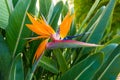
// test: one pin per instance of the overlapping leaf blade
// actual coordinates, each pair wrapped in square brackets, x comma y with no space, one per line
[85,69]
[48,64]
[45,7]
[16,71]
[112,70]
[94,18]
[108,50]
[102,23]
[5,10]
[16,30]
[5,60]
[14,2]
[79,2]
[60,60]
[100,26]
[53,20]
[109,69]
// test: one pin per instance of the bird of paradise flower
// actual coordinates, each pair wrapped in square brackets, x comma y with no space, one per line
[59,40]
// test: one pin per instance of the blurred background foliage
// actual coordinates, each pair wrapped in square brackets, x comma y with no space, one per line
[82,8]
[97,17]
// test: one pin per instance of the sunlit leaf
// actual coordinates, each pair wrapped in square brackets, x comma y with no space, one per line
[16,30]
[5,11]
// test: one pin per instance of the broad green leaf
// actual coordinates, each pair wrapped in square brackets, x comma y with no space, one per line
[91,23]
[5,60]
[61,60]
[48,64]
[94,18]
[14,2]
[32,8]
[73,29]
[45,7]
[108,50]
[112,70]
[16,71]
[50,13]
[85,69]
[5,11]
[53,21]
[109,69]
[16,30]
[65,10]
[102,22]
[100,26]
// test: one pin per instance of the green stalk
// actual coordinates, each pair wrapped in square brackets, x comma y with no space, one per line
[31,71]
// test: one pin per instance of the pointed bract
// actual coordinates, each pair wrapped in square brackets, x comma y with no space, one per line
[69,44]
[40,50]
[39,26]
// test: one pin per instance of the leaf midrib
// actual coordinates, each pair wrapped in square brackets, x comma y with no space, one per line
[6,2]
[102,74]
[21,28]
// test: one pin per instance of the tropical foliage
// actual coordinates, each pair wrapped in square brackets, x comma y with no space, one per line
[98,25]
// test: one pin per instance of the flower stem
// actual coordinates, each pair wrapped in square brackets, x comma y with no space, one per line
[31,71]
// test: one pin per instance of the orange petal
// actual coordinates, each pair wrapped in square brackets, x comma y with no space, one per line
[36,30]
[65,25]
[40,26]
[47,27]
[40,50]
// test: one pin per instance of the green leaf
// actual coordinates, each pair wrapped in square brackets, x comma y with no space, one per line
[45,7]
[5,60]
[112,70]
[114,40]
[61,60]
[16,30]
[100,26]
[85,69]
[94,18]
[108,50]
[101,23]
[14,2]
[53,20]
[48,64]
[109,69]
[65,10]
[72,29]
[5,11]
[91,22]
[17,72]
[77,3]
